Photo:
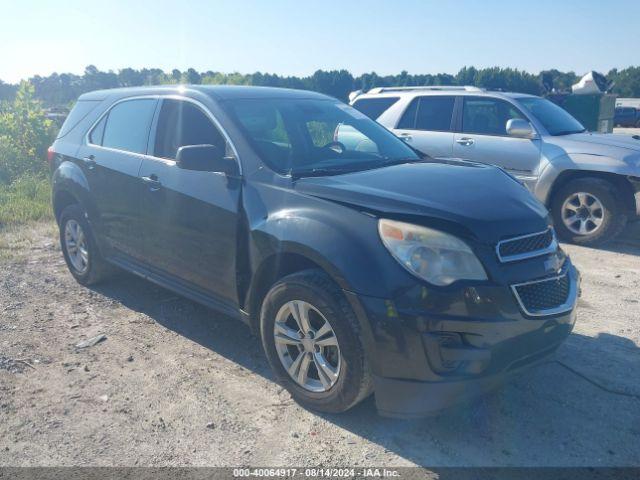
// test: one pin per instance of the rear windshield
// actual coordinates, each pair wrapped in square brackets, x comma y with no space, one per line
[81,109]
[374,107]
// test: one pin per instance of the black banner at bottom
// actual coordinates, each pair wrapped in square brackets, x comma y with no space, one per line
[409,473]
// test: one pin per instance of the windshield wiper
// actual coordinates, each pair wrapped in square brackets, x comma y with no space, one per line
[568,132]
[340,169]
[400,161]
[322,171]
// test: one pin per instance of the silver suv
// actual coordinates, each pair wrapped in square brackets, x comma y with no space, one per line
[589,181]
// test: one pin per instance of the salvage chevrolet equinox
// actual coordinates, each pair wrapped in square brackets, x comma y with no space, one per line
[371,269]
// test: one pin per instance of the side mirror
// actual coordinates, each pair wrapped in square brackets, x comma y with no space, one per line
[206,158]
[517,127]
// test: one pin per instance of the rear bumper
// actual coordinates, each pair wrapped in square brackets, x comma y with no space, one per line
[430,351]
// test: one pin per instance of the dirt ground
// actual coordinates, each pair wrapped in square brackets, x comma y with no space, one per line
[176,384]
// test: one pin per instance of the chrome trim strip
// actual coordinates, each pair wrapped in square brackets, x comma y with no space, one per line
[553,246]
[572,297]
[172,96]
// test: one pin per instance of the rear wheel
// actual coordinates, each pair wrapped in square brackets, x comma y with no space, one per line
[310,336]
[587,211]
[79,247]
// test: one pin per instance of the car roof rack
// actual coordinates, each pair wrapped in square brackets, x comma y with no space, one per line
[431,87]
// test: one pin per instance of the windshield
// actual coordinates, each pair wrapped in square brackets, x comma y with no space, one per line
[555,119]
[316,137]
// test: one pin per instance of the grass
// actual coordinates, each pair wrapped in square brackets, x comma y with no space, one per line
[28,199]
[18,241]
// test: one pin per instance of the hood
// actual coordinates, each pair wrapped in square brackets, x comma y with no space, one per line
[605,144]
[480,201]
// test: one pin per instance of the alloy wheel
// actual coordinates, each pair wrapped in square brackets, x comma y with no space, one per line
[582,213]
[75,243]
[307,346]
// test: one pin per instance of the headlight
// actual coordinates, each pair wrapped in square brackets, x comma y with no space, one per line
[434,256]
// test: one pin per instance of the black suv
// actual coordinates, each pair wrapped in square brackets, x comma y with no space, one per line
[363,269]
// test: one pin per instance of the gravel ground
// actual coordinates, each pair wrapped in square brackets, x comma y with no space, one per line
[176,384]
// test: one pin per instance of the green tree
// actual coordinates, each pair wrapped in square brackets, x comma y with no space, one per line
[63,89]
[94,79]
[627,81]
[128,77]
[467,76]
[7,92]
[25,135]
[561,81]
[193,77]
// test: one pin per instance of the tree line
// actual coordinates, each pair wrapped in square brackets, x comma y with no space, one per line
[62,89]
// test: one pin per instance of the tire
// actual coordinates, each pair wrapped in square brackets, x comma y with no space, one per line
[614,216]
[95,268]
[314,288]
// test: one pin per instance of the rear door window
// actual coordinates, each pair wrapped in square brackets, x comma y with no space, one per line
[127,126]
[374,107]
[434,113]
[430,113]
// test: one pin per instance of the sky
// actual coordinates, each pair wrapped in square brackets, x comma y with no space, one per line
[290,37]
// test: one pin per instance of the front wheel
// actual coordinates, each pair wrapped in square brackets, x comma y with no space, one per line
[588,212]
[310,336]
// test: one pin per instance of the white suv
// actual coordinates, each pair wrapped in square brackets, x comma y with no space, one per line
[589,181]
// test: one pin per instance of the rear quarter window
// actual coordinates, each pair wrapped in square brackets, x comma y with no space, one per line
[81,109]
[374,107]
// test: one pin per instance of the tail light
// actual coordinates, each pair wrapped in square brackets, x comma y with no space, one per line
[51,154]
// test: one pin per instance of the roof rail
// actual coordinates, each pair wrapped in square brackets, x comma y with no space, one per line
[432,87]
[355,94]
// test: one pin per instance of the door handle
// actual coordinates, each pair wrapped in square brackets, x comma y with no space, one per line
[89,162]
[407,137]
[153,182]
[465,141]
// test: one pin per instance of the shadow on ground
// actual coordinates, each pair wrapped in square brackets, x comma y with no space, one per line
[628,242]
[586,404]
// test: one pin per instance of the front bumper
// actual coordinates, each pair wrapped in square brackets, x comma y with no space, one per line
[429,350]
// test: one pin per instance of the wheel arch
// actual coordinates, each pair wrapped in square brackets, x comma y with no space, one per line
[61,200]
[69,185]
[623,187]
[275,267]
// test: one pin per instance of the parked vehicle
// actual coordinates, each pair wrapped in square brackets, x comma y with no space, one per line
[362,270]
[627,117]
[590,182]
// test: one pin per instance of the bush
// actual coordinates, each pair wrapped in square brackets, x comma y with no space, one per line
[25,135]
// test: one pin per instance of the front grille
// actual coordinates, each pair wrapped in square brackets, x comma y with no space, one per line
[527,246]
[545,297]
